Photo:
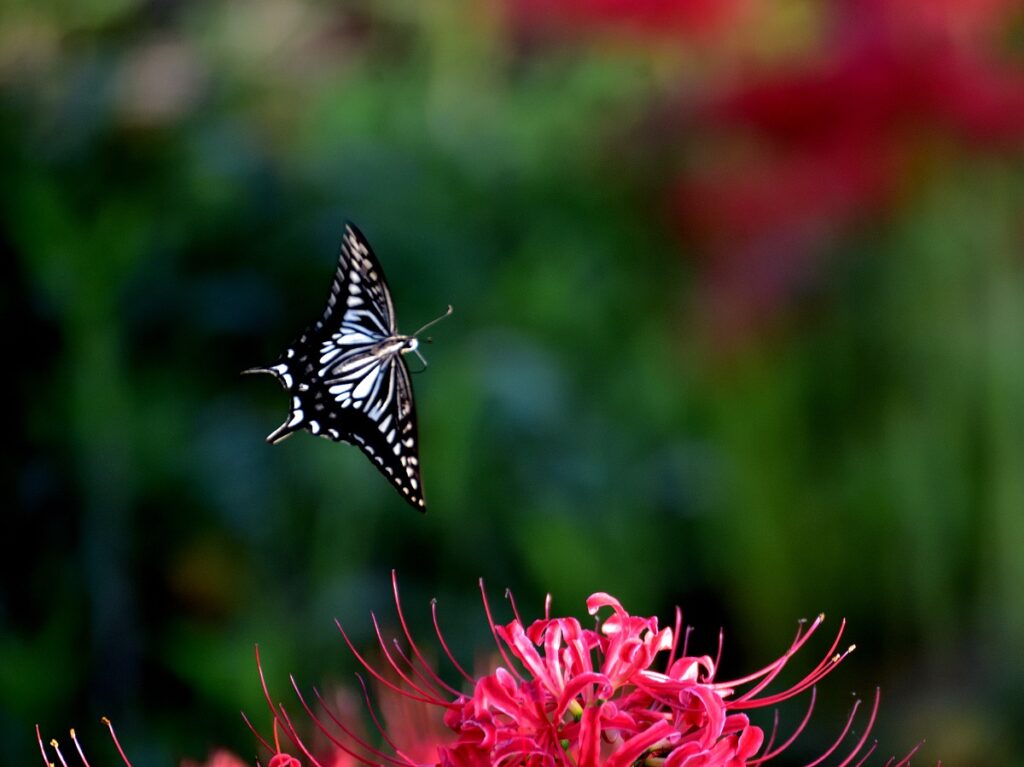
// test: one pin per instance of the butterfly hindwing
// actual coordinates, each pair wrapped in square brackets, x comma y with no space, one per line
[383,426]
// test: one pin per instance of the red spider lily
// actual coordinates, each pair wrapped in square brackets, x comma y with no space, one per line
[78,747]
[218,758]
[875,85]
[623,693]
[825,144]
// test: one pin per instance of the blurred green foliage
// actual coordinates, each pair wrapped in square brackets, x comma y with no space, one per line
[173,182]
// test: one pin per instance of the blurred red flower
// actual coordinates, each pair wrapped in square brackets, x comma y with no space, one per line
[673,18]
[219,758]
[967,21]
[802,154]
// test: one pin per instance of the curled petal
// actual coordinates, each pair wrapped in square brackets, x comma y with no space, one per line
[600,599]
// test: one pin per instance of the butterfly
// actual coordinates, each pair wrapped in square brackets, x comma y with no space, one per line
[346,374]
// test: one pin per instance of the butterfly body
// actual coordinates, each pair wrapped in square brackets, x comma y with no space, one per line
[346,376]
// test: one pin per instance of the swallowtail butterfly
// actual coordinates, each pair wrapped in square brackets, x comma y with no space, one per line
[346,376]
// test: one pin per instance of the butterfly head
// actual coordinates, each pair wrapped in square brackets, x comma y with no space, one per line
[412,343]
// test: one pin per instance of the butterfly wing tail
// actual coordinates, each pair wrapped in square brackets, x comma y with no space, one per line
[278,371]
[283,432]
[296,420]
[296,417]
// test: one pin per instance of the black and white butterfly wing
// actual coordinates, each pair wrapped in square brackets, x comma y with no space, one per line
[359,294]
[344,385]
[377,413]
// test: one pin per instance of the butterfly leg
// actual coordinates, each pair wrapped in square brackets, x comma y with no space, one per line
[422,358]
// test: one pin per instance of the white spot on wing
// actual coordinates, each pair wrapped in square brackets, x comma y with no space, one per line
[364,386]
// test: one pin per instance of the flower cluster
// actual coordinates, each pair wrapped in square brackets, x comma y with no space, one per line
[625,692]
[809,150]
[791,136]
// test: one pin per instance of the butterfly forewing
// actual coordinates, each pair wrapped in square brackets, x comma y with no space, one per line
[346,374]
[359,287]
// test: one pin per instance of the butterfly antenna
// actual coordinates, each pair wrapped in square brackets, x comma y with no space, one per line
[433,322]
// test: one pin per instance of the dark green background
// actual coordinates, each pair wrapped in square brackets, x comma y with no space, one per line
[174,178]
